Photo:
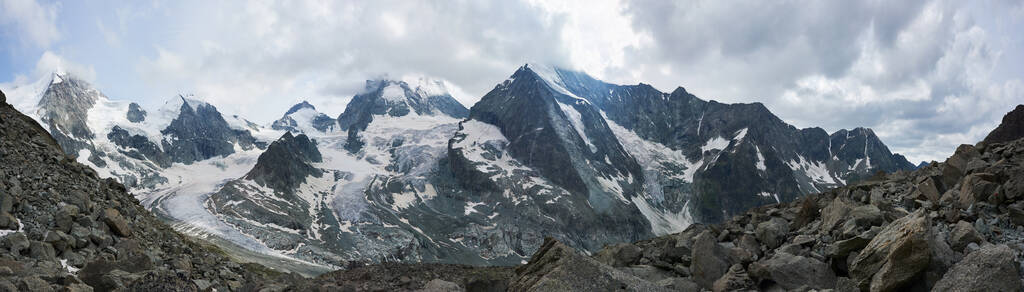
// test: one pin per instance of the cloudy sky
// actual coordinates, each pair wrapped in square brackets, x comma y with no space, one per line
[925,75]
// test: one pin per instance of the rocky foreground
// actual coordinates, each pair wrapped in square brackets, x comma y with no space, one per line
[951,226]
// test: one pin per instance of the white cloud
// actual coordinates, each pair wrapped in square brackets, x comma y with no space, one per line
[34,24]
[926,75]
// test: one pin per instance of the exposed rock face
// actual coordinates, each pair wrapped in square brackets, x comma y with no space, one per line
[200,132]
[135,113]
[286,163]
[393,98]
[65,106]
[1012,127]
[878,235]
[743,154]
[73,231]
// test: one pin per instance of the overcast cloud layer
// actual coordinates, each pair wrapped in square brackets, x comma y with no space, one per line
[925,75]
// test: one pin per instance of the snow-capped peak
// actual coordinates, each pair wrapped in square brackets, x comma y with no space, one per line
[58,76]
[550,75]
[300,106]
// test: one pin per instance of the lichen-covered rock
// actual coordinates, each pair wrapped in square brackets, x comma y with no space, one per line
[963,233]
[895,256]
[991,268]
[793,271]
[736,279]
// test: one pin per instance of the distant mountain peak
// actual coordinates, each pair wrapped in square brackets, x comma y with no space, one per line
[304,118]
[302,105]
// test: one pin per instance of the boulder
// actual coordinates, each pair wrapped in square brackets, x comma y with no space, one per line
[679,284]
[930,189]
[866,216]
[963,233]
[894,257]
[116,223]
[793,271]
[41,251]
[619,255]
[976,187]
[834,214]
[991,268]
[710,260]
[772,232]
[438,285]
[841,249]
[648,273]
[557,267]
[736,279]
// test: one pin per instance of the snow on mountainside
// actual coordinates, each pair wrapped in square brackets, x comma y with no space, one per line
[135,145]
[354,204]
[407,173]
[744,156]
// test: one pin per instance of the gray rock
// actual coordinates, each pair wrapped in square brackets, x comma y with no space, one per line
[792,271]
[557,267]
[41,251]
[976,187]
[991,268]
[438,285]
[963,233]
[736,279]
[930,189]
[648,273]
[679,284]
[710,260]
[116,223]
[895,256]
[772,232]
[866,215]
[16,242]
[834,214]
[619,255]
[34,283]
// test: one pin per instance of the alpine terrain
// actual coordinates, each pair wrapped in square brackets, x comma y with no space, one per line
[406,173]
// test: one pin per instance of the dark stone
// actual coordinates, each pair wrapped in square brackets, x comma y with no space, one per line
[991,268]
[135,113]
[1011,128]
[792,272]
[898,254]
[619,255]
[116,223]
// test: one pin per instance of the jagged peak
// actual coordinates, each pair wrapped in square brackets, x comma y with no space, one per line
[184,99]
[302,105]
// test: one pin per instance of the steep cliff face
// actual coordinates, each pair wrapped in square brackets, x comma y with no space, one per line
[200,132]
[735,156]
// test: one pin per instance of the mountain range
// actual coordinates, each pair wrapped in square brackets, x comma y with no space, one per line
[407,173]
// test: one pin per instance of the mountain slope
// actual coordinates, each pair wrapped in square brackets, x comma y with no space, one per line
[883,234]
[64,227]
[741,155]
